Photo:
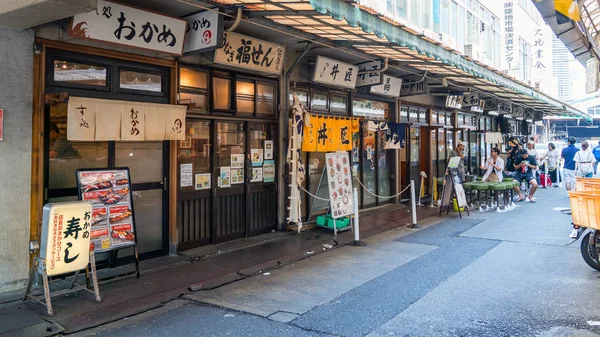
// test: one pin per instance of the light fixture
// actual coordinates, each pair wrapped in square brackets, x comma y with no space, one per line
[131,154]
[64,65]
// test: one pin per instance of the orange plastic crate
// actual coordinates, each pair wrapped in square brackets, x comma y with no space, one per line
[585,209]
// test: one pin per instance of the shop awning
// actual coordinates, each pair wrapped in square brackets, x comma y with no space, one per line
[349,25]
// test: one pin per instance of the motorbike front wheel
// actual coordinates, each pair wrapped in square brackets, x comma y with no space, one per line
[589,253]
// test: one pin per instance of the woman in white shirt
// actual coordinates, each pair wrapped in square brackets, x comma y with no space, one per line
[584,161]
[553,156]
[493,166]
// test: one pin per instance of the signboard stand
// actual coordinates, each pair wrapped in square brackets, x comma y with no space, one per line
[113,221]
[451,185]
[39,270]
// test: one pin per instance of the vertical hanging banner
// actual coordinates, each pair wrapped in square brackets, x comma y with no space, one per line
[335,73]
[365,78]
[510,56]
[66,236]
[130,26]
[81,119]
[340,184]
[108,122]
[204,32]
[132,123]
[250,53]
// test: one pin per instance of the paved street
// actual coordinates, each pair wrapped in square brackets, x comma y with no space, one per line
[490,274]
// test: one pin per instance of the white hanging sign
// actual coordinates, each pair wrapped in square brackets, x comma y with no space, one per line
[81,120]
[505,107]
[335,73]
[250,53]
[471,99]
[592,80]
[391,87]
[65,241]
[204,32]
[365,78]
[130,26]
[454,101]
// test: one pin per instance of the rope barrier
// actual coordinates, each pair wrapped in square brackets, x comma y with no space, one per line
[364,187]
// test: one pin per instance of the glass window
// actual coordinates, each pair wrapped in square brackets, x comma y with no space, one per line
[445,16]
[195,150]
[369,164]
[222,93]
[135,80]
[383,178]
[370,109]
[144,160]
[453,18]
[320,101]
[403,114]
[193,78]
[339,104]
[230,141]
[401,9]
[245,96]
[413,115]
[302,96]
[426,14]
[461,33]
[79,73]
[198,101]
[422,116]
[259,133]
[414,13]
[266,98]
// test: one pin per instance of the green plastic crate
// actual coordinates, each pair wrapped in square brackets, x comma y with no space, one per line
[327,221]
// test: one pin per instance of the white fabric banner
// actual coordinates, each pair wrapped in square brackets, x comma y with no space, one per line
[132,123]
[108,122]
[175,122]
[154,123]
[81,119]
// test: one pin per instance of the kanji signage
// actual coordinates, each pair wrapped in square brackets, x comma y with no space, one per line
[328,134]
[335,73]
[592,80]
[66,232]
[510,53]
[454,101]
[413,86]
[365,78]
[1,124]
[204,32]
[542,58]
[91,119]
[505,107]
[108,191]
[250,53]
[130,26]
[391,86]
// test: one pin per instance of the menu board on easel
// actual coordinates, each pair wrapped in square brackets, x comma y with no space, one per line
[340,184]
[113,220]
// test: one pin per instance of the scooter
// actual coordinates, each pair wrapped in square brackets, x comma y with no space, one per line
[590,244]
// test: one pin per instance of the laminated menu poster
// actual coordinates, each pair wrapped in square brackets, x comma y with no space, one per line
[269,171]
[340,184]
[109,191]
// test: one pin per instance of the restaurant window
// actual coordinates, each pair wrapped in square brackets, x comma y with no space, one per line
[370,109]
[79,73]
[404,114]
[339,104]
[140,81]
[422,115]
[413,115]
[319,101]
[245,96]
[230,141]
[266,98]
[195,150]
[194,89]
[302,97]
[221,93]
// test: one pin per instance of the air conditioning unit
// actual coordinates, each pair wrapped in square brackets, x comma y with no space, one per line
[473,51]
[448,40]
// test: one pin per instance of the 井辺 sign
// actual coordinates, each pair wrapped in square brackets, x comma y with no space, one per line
[130,26]
[335,73]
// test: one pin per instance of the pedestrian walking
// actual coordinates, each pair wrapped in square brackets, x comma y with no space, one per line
[584,161]
[567,154]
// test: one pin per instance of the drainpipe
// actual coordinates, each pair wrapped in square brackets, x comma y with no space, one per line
[286,121]
[237,21]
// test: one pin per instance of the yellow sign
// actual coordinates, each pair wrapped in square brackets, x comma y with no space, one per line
[565,10]
[66,230]
[328,134]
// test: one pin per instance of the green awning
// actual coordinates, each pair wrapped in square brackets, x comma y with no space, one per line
[369,23]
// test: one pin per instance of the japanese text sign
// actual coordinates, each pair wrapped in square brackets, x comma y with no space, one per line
[90,119]
[66,228]
[203,32]
[454,101]
[335,73]
[592,80]
[325,134]
[126,25]
[366,78]
[542,56]
[1,124]
[510,54]
[390,87]
[109,193]
[412,86]
[505,107]
[250,53]
[471,99]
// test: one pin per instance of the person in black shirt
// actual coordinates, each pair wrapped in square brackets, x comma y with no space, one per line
[524,165]
[511,157]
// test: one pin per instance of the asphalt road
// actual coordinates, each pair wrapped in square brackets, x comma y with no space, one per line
[491,274]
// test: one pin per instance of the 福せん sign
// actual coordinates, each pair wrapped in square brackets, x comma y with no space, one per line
[335,73]
[203,32]
[126,25]
[66,229]
[250,53]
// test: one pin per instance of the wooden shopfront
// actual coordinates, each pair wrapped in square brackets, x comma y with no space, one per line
[226,167]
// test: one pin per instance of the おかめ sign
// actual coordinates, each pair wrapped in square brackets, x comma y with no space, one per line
[335,73]
[204,32]
[250,53]
[66,229]
[125,25]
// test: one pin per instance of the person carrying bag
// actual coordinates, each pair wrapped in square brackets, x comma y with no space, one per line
[584,160]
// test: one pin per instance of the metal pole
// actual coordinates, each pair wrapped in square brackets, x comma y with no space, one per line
[356,228]
[414,206]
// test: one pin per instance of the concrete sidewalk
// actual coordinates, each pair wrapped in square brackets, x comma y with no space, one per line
[169,278]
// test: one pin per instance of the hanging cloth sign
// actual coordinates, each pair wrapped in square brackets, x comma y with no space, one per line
[376,126]
[328,134]
[395,136]
[493,138]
